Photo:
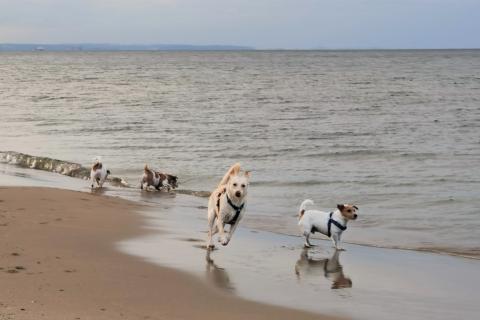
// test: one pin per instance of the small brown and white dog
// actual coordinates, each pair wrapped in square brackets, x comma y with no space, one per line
[158,180]
[98,173]
[330,224]
[226,204]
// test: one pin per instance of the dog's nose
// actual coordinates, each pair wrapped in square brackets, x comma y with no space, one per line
[238,194]
[355,216]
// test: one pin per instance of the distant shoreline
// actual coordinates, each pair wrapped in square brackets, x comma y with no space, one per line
[93,47]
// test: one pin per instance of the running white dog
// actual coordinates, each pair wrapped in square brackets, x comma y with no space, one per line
[226,204]
[331,224]
[98,173]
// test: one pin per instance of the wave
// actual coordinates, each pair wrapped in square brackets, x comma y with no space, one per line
[62,167]
[44,163]
[72,169]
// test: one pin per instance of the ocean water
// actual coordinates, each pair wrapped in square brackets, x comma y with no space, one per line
[394,132]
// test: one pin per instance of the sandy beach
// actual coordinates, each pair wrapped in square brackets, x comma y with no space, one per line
[145,258]
[58,262]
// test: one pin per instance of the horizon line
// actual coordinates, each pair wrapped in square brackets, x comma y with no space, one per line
[212,46]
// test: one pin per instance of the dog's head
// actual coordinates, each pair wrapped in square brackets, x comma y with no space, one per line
[172,181]
[97,163]
[349,211]
[237,186]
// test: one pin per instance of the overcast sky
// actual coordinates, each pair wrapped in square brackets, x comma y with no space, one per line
[259,23]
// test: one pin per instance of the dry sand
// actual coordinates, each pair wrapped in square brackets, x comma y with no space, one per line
[57,261]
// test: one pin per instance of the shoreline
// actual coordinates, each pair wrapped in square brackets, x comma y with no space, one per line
[58,261]
[58,173]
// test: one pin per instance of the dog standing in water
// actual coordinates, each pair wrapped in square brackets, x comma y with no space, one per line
[330,224]
[226,204]
[157,179]
[98,173]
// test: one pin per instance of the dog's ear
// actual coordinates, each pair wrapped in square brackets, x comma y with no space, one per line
[340,207]
[235,169]
[248,174]
[356,207]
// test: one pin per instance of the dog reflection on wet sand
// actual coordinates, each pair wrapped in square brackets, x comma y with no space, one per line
[309,266]
[217,275]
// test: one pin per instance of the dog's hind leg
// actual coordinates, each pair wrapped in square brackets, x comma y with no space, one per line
[307,240]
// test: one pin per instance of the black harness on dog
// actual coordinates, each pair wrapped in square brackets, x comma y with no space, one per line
[336,223]
[237,209]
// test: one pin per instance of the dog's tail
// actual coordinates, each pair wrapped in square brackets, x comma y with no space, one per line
[303,206]
[235,169]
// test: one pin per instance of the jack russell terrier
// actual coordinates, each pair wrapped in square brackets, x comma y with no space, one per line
[157,179]
[98,173]
[331,224]
[226,205]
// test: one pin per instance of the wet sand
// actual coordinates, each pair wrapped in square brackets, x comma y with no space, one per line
[360,283]
[57,261]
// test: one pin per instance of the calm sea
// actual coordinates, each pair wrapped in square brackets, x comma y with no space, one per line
[395,132]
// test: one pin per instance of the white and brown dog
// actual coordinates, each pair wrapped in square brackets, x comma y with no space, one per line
[226,204]
[158,180]
[331,224]
[98,173]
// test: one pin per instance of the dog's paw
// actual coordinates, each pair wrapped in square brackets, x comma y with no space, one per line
[225,241]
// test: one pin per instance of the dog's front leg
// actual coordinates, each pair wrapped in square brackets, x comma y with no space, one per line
[336,241]
[221,229]
[93,178]
[233,227]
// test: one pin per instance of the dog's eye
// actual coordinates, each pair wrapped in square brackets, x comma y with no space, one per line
[349,210]
[234,184]
[243,186]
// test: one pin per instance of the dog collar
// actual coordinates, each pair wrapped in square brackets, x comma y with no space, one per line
[237,209]
[336,223]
